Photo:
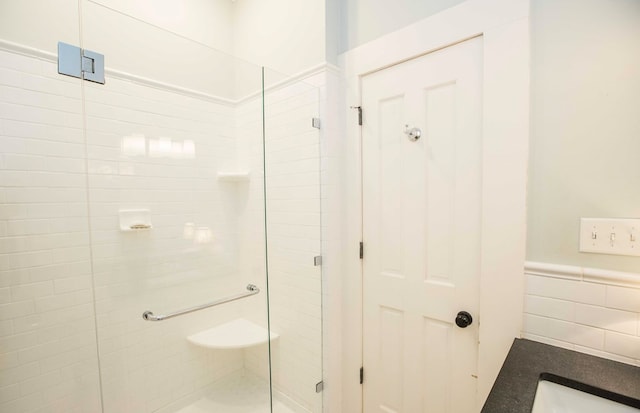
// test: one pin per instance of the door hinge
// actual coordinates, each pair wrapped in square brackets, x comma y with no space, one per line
[361,375]
[359,108]
[361,250]
[319,386]
[315,122]
[83,64]
[317,260]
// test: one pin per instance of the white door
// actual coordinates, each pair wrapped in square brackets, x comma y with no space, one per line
[421,232]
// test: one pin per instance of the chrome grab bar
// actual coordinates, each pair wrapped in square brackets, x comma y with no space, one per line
[253,290]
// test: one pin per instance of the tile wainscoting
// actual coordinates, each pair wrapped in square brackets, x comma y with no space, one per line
[593,311]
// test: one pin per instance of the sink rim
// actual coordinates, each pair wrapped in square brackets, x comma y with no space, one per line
[587,388]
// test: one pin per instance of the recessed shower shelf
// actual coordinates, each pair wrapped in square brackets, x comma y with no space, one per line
[233,176]
[239,333]
[134,220]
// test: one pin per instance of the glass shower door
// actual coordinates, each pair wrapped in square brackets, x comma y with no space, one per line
[146,194]
[48,356]
[176,220]
[294,245]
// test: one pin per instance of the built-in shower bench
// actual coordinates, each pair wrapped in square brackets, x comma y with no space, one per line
[236,334]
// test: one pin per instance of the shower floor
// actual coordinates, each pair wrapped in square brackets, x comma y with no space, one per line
[238,394]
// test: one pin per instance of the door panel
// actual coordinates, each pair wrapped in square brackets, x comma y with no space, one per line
[421,211]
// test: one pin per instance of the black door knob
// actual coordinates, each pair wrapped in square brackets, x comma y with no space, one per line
[463,319]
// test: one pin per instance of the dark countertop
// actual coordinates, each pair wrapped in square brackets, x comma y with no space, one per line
[515,387]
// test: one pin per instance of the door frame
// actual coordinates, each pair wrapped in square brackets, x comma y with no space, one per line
[504,28]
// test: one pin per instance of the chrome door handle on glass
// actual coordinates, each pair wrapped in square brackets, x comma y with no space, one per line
[252,290]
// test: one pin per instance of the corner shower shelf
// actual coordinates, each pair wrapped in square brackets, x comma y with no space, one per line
[233,176]
[239,333]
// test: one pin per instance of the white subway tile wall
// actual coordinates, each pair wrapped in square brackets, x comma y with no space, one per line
[294,231]
[62,249]
[160,151]
[595,318]
[294,225]
[48,349]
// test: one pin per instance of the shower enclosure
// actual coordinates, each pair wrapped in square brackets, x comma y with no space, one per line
[188,179]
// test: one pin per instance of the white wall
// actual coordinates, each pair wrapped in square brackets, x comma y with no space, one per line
[40,23]
[583,163]
[333,21]
[284,35]
[288,36]
[366,20]
[585,126]
[158,54]
[209,22]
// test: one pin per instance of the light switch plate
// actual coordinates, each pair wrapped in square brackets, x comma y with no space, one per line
[618,236]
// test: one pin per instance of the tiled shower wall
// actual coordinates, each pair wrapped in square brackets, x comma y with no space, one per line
[161,151]
[48,354]
[294,231]
[152,149]
[580,309]
[145,148]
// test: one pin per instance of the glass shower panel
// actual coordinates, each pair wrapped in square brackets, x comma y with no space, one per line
[177,220]
[294,227]
[48,356]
